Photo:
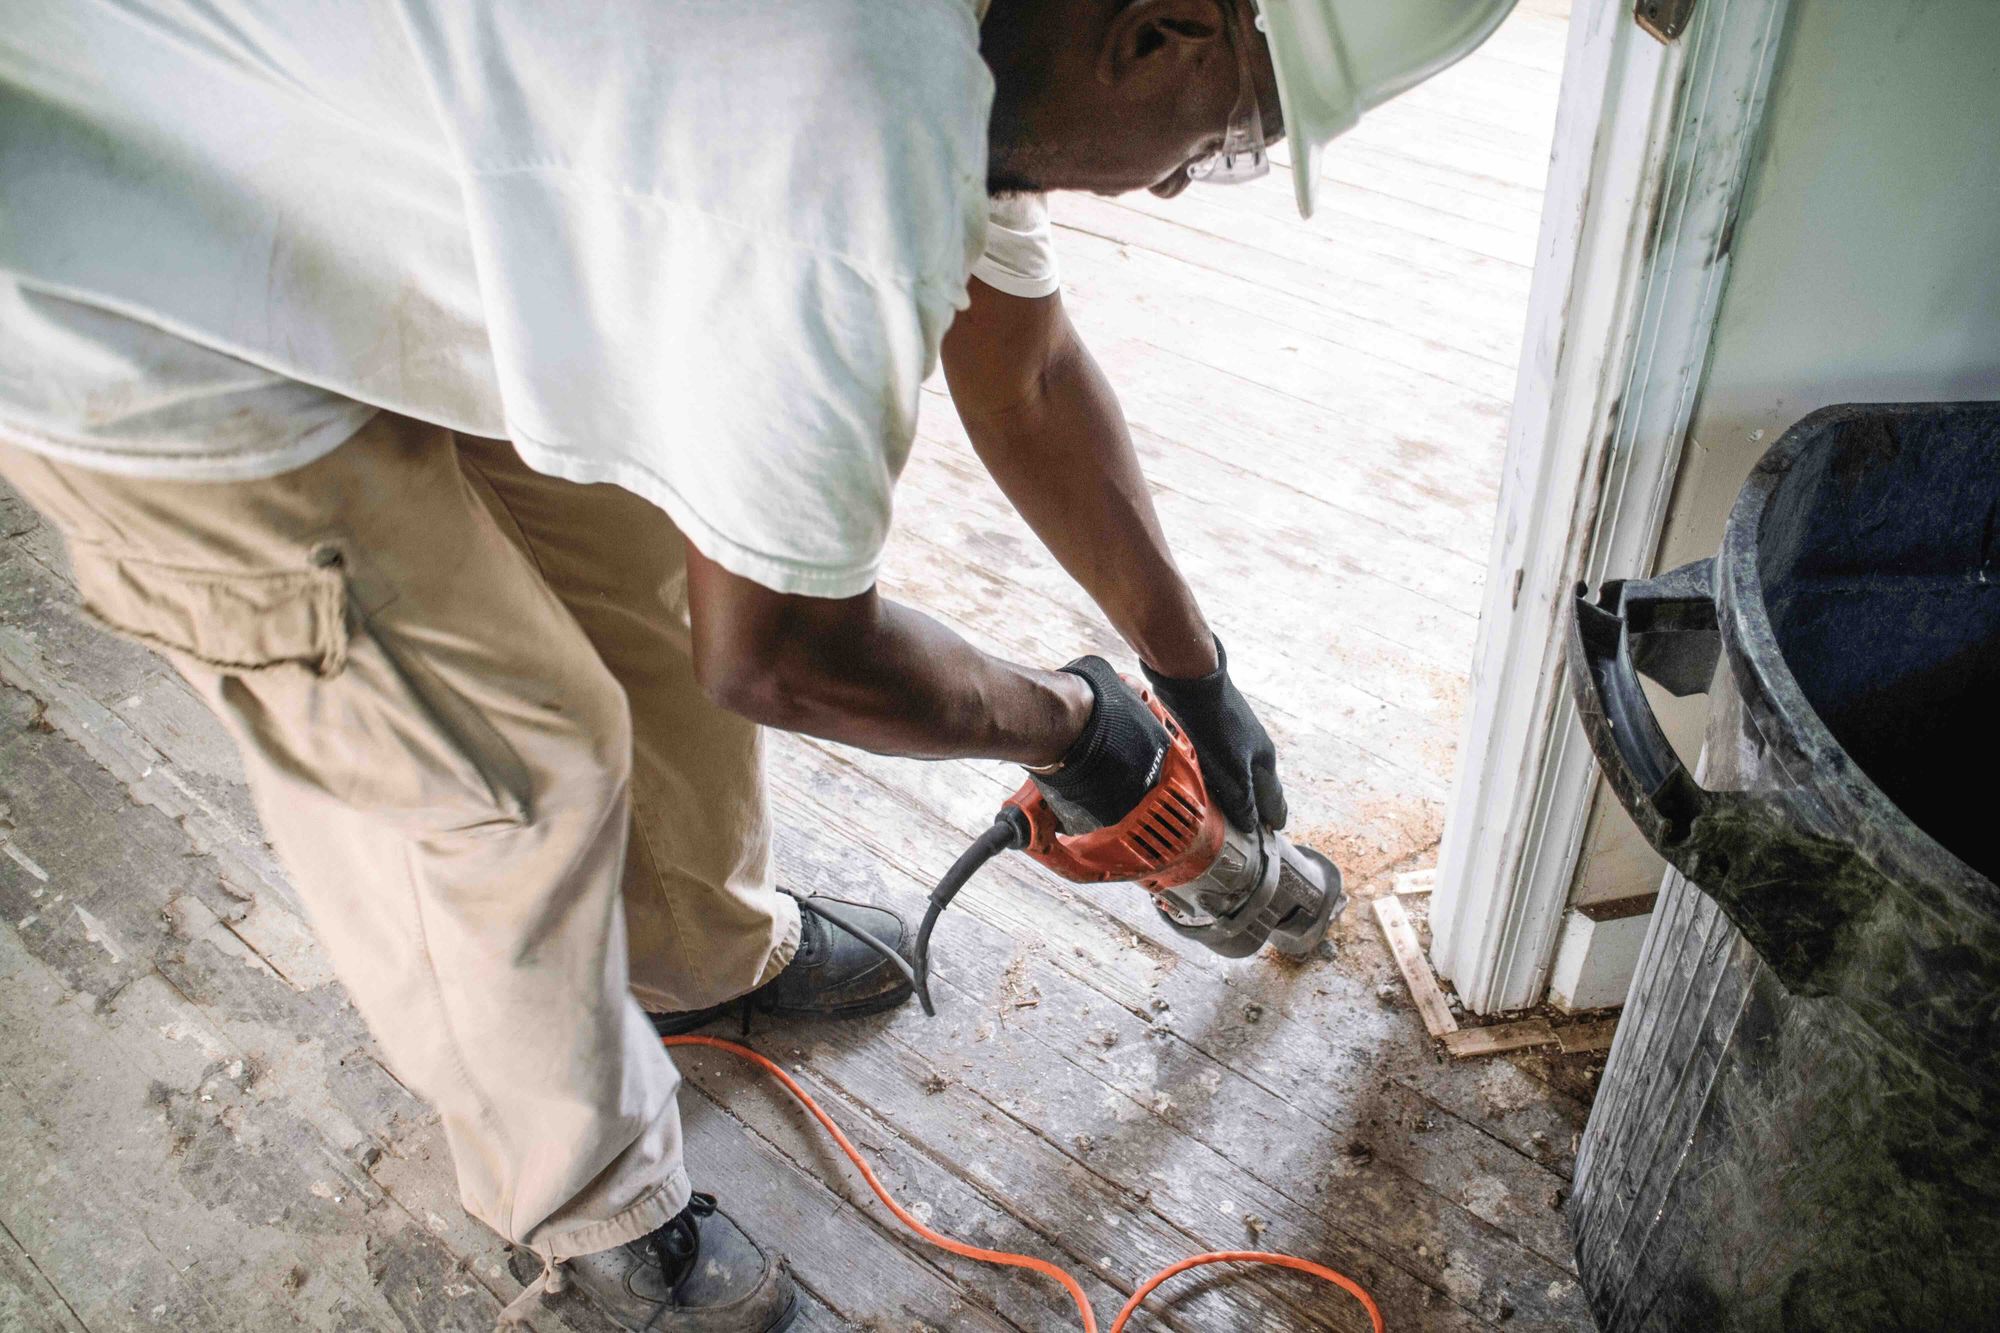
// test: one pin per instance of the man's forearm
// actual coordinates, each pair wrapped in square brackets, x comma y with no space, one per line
[871,673]
[1064,458]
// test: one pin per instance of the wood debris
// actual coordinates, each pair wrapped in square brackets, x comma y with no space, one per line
[1417,881]
[1409,954]
[1499,1038]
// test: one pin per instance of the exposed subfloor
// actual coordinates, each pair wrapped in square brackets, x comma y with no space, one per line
[195,1132]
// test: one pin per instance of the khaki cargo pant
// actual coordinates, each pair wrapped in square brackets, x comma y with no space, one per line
[464,700]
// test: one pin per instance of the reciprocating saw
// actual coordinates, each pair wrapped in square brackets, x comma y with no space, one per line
[1232,890]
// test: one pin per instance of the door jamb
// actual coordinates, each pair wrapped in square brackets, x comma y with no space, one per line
[1653,146]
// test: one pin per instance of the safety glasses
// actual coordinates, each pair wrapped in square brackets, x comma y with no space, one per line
[1241,157]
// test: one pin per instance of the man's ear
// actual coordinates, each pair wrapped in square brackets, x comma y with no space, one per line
[1144,31]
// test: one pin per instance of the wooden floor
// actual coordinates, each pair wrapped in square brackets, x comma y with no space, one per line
[195,1132]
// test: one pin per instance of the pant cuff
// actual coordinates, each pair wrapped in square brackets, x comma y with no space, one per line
[655,1001]
[788,943]
[642,1218]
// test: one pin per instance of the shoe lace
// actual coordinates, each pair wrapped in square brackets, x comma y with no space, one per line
[677,1242]
[881,949]
[548,1282]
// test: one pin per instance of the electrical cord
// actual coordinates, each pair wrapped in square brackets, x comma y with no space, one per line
[1006,1259]
[1009,830]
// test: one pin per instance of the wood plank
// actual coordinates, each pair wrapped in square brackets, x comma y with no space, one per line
[170,1070]
[1416,969]
[1593,1036]
[1338,671]
[28,1303]
[915,816]
[1433,125]
[1352,811]
[1219,1026]
[984,1145]
[1478,227]
[1011,1159]
[1498,1038]
[1512,208]
[1303,280]
[1416,882]
[1422,292]
[1375,462]
[1353,731]
[1138,1095]
[815,1317]
[1227,512]
[1262,400]
[1315,666]
[1477,103]
[1429,141]
[1115,926]
[45,662]
[17,517]
[843,1257]
[1509,1104]
[145,1178]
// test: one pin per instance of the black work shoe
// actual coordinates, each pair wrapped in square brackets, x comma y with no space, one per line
[697,1274]
[842,970]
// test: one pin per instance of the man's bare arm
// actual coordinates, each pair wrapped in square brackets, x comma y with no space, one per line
[1049,429]
[868,672]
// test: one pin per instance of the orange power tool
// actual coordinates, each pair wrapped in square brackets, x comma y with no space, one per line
[1231,890]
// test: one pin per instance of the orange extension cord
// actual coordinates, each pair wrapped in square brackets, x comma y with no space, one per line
[1042,1266]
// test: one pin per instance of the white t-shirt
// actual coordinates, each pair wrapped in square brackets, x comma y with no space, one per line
[705,249]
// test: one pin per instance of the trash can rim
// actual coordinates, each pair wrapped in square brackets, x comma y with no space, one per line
[1770,690]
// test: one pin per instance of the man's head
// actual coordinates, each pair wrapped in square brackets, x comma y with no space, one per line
[1117,95]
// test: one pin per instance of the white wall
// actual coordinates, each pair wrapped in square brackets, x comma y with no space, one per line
[1866,267]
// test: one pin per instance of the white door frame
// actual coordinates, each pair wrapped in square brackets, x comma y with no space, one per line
[1653,145]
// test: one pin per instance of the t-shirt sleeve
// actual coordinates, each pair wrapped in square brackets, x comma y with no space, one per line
[1020,255]
[737,335]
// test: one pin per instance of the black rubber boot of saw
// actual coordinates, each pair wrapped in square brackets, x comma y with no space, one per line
[834,974]
[699,1273]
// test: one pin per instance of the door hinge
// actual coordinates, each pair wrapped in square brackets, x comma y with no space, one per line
[1665,19]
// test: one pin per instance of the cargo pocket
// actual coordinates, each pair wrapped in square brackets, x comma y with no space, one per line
[318,693]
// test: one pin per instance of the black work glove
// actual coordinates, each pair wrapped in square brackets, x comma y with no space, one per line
[1238,761]
[1116,760]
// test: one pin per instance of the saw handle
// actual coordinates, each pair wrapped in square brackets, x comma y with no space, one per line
[1170,837]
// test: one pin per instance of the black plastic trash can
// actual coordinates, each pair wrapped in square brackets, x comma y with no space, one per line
[1799,1126]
